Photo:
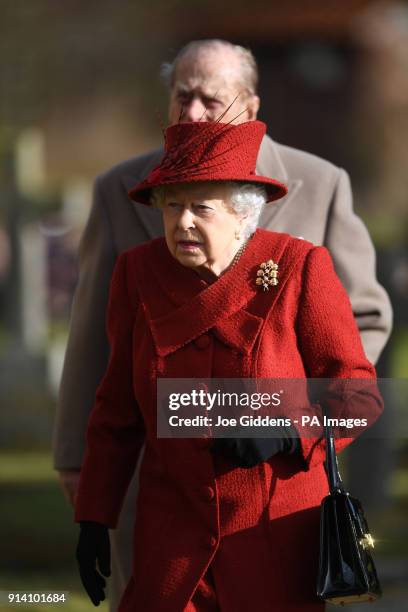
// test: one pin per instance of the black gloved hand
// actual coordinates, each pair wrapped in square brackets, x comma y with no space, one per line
[248,452]
[93,546]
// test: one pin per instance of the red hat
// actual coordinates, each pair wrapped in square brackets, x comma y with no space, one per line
[210,151]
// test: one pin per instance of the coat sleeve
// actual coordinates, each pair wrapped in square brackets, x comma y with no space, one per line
[115,431]
[87,351]
[331,349]
[353,256]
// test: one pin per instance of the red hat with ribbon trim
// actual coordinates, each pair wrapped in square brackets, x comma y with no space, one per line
[202,151]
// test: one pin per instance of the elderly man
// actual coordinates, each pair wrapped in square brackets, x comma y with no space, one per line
[207,78]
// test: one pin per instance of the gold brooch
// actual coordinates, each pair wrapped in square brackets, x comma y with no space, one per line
[367,541]
[267,274]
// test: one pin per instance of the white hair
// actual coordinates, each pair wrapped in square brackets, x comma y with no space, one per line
[246,200]
[248,69]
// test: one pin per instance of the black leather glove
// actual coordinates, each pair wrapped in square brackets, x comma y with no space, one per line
[93,546]
[248,452]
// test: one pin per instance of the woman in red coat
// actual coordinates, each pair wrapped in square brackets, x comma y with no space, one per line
[232,525]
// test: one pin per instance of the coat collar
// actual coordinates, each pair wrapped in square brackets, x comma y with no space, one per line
[130,178]
[149,218]
[196,307]
[270,163]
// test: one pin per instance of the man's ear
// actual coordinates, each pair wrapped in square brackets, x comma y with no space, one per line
[253,105]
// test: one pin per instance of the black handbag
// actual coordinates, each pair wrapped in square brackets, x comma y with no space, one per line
[347,572]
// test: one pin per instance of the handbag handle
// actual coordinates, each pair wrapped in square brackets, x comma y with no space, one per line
[331,464]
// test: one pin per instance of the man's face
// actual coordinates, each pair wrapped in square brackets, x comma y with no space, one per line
[205,85]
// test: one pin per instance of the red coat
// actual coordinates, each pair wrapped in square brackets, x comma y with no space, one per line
[257,528]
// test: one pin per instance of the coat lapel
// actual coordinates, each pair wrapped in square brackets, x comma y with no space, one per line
[270,164]
[192,308]
[198,307]
[149,218]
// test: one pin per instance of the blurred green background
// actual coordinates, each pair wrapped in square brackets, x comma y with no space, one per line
[38,534]
[80,92]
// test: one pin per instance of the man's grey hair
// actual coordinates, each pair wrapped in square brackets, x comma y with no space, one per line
[248,67]
[246,200]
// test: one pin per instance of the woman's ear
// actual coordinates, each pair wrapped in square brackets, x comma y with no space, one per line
[240,228]
[243,221]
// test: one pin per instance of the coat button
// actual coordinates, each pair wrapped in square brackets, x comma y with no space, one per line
[211,542]
[202,341]
[208,493]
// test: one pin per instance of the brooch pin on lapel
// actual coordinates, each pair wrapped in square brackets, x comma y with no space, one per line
[267,275]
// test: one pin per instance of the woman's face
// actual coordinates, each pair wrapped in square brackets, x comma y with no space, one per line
[201,229]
